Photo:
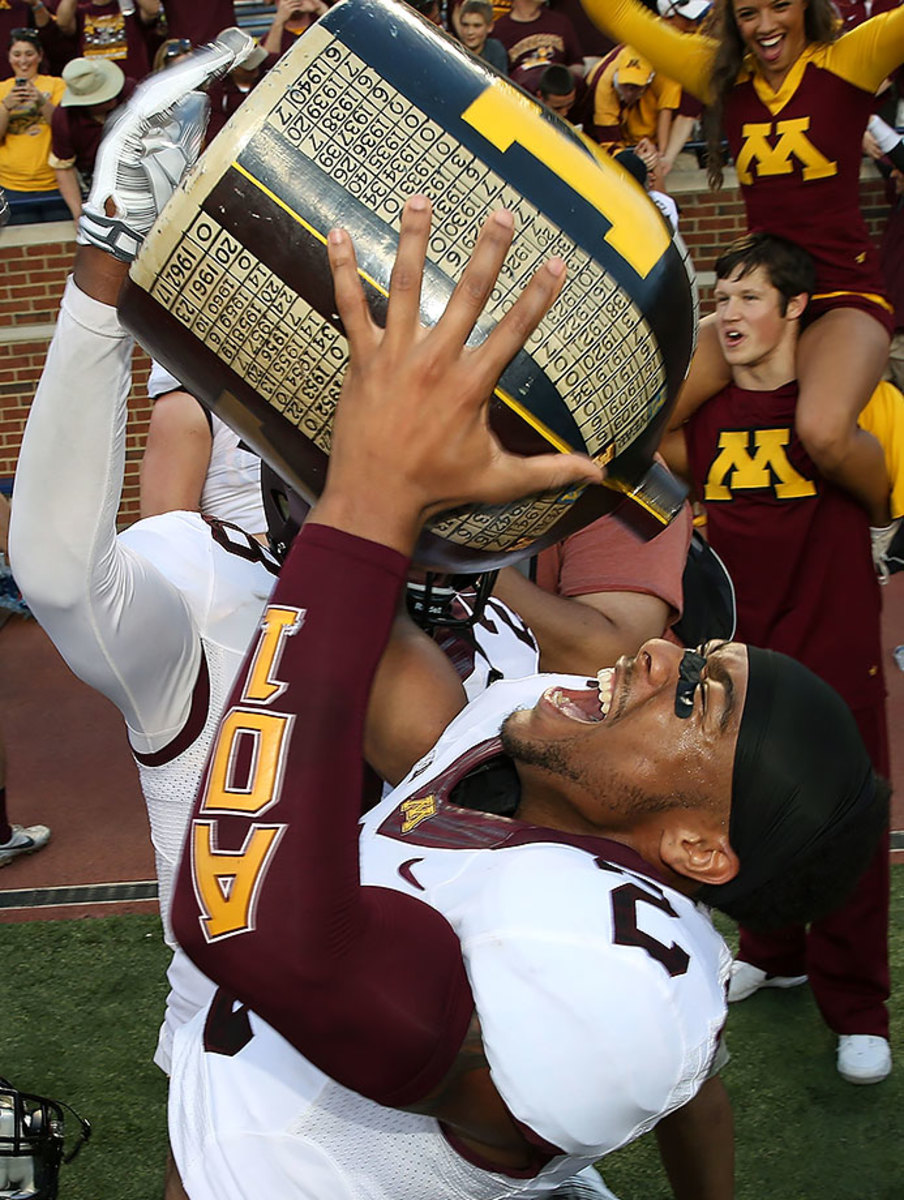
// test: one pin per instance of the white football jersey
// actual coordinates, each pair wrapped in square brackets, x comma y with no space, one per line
[600,994]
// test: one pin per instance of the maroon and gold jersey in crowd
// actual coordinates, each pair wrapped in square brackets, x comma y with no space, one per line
[797,150]
[796,547]
[797,153]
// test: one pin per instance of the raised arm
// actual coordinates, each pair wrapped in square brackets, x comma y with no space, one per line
[112,617]
[868,53]
[686,60]
[115,619]
[298,937]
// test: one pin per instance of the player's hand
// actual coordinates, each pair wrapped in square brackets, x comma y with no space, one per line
[150,144]
[411,436]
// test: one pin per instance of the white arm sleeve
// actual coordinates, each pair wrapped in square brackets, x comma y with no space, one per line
[118,623]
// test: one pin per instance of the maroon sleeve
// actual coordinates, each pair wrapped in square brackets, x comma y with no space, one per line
[60,135]
[366,982]
[690,106]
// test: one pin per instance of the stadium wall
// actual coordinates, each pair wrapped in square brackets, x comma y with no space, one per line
[35,260]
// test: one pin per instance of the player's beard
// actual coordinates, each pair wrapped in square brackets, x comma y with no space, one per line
[619,797]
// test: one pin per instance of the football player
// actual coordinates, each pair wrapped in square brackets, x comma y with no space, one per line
[442,999]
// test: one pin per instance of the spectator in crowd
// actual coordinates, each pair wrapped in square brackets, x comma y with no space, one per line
[687,16]
[534,38]
[632,107]
[291,20]
[855,12]
[557,87]
[594,43]
[199,22]
[170,52]
[798,550]
[227,94]
[101,29]
[17,14]
[883,143]
[94,88]
[27,103]
[475,24]
[193,462]
[15,840]
[431,9]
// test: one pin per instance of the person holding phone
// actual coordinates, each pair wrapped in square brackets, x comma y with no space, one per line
[27,104]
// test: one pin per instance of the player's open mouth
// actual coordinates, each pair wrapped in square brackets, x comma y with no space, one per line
[732,337]
[588,705]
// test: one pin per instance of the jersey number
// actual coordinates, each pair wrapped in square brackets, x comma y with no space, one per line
[625,900]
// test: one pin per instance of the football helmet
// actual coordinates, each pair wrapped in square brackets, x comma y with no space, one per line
[284,509]
[32,1144]
[440,601]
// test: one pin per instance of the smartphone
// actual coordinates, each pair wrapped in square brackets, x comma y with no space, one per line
[21,82]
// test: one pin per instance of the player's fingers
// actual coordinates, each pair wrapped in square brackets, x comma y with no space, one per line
[477,281]
[403,313]
[351,304]
[522,318]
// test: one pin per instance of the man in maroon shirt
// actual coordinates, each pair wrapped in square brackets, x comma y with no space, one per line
[797,549]
[99,29]
[94,88]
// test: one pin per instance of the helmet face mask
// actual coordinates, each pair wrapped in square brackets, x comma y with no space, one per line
[32,1144]
[285,511]
[433,602]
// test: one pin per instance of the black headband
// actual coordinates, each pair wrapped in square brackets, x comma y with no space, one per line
[801,772]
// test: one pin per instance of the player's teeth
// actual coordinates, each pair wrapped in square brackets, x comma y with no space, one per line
[604,682]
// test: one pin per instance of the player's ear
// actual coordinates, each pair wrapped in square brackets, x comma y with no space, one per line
[796,306]
[700,854]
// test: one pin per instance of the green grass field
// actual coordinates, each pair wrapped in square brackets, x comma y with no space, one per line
[82,1002]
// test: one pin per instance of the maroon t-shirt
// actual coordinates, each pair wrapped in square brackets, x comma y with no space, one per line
[198,20]
[532,46]
[796,547]
[103,32]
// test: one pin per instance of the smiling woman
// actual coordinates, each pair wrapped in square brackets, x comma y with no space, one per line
[27,103]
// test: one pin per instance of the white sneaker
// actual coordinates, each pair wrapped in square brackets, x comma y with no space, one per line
[585,1185]
[886,553]
[26,839]
[863,1058]
[747,979]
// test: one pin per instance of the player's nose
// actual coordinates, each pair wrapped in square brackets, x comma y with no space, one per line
[660,660]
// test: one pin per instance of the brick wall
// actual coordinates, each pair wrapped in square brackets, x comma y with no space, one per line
[34,262]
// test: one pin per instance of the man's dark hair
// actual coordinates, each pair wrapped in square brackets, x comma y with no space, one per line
[556,80]
[789,267]
[817,884]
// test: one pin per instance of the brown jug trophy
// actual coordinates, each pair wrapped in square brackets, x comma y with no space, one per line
[232,291]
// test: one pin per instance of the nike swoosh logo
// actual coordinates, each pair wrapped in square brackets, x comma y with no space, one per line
[406,873]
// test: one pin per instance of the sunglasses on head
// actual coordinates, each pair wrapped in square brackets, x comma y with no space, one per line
[174,49]
[24,35]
